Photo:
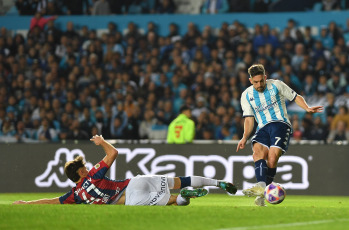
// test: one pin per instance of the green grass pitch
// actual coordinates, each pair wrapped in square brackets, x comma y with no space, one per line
[214,211]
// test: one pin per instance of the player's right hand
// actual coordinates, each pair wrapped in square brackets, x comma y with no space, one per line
[241,144]
[97,139]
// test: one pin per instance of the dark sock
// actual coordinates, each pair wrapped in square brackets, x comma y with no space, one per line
[270,175]
[185,181]
[261,170]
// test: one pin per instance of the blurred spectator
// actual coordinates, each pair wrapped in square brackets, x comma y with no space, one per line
[264,38]
[261,5]
[325,38]
[77,7]
[297,132]
[40,21]
[46,132]
[336,84]
[26,7]
[145,127]
[118,122]
[101,7]
[22,135]
[135,7]
[215,7]
[309,86]
[308,38]
[318,130]
[76,133]
[328,5]
[342,115]
[53,8]
[298,58]
[165,7]
[8,129]
[239,6]
[340,133]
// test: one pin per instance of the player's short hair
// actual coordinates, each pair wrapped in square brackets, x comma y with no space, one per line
[184,108]
[257,69]
[71,168]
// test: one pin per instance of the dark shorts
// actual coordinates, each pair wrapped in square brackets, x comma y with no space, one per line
[275,134]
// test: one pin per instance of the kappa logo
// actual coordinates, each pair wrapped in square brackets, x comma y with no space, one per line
[292,170]
[54,173]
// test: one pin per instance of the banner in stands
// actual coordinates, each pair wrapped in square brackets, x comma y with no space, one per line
[304,169]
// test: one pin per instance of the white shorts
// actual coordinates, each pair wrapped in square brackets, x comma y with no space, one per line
[147,190]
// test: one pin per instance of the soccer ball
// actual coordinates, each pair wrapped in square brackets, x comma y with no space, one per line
[274,193]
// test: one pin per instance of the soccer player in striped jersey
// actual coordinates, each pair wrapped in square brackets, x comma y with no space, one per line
[264,101]
[93,187]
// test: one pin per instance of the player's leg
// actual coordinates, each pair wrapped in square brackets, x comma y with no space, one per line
[260,153]
[183,198]
[260,146]
[280,138]
[199,182]
[273,158]
[173,200]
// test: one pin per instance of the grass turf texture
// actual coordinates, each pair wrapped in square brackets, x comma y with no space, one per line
[214,211]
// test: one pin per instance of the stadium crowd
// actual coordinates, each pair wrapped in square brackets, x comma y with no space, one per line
[106,7]
[68,84]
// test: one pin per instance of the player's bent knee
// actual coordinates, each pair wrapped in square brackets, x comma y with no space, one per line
[272,161]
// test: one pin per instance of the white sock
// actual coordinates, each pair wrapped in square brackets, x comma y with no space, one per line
[198,181]
[181,201]
[170,182]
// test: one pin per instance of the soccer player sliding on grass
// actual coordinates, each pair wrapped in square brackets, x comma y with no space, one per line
[93,187]
[264,102]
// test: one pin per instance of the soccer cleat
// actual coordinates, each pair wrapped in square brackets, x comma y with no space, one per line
[259,201]
[192,193]
[256,190]
[229,187]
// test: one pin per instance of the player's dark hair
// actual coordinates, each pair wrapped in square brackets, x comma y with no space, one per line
[71,168]
[183,108]
[257,69]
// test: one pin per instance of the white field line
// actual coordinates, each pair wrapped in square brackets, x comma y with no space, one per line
[285,225]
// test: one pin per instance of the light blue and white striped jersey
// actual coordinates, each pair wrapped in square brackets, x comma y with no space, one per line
[268,106]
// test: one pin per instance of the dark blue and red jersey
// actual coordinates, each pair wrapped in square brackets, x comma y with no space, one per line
[95,188]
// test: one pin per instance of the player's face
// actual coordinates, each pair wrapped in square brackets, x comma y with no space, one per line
[83,172]
[259,82]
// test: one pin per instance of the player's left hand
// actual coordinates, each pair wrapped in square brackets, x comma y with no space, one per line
[97,139]
[315,109]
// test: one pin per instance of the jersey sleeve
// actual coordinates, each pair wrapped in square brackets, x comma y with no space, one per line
[67,198]
[190,131]
[247,110]
[285,90]
[99,170]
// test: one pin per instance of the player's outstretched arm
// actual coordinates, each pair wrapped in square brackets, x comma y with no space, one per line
[110,151]
[248,127]
[41,201]
[303,104]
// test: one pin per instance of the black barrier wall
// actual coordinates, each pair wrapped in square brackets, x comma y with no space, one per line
[304,170]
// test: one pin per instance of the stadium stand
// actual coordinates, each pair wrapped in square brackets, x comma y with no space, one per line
[69,81]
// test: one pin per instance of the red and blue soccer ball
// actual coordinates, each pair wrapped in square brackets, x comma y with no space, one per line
[274,193]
